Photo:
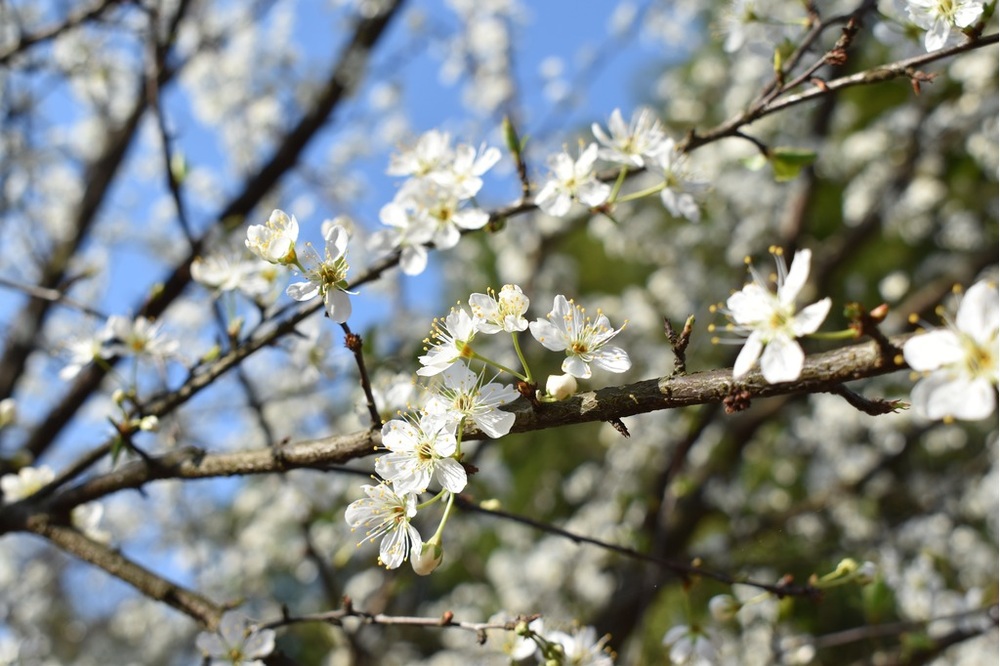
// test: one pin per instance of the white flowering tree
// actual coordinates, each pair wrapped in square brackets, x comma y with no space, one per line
[630,440]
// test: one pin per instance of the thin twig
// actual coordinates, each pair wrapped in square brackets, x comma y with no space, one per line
[354,342]
[685,570]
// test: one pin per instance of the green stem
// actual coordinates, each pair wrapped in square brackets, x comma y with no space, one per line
[648,192]
[424,505]
[498,366]
[520,355]
[846,334]
[444,518]
[613,197]
[458,440]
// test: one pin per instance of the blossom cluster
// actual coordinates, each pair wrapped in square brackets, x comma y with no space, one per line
[120,336]
[325,276]
[423,447]
[642,143]
[435,203]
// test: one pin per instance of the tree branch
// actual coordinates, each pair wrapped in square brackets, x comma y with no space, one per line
[821,372]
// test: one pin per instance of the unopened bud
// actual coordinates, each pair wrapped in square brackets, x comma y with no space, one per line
[560,387]
[428,558]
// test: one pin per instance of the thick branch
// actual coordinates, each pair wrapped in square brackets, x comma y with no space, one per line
[821,372]
[145,581]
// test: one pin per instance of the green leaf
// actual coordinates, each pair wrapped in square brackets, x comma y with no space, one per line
[788,162]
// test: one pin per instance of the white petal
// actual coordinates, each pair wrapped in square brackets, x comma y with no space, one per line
[931,350]
[336,241]
[748,355]
[750,305]
[548,335]
[782,360]
[940,394]
[978,313]
[413,260]
[576,366]
[811,317]
[494,423]
[593,192]
[446,236]
[937,36]
[259,644]
[473,218]
[212,645]
[796,278]
[451,475]
[338,305]
[303,291]
[612,359]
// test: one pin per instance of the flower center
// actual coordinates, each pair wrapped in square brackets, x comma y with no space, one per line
[425,451]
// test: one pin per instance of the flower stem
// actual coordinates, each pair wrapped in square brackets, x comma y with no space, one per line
[520,355]
[424,505]
[498,366]
[846,334]
[648,192]
[613,197]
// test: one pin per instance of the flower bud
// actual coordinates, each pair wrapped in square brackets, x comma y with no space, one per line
[560,387]
[428,559]
[8,412]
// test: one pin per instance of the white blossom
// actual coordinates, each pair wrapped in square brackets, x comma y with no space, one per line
[236,643]
[505,312]
[419,453]
[463,176]
[687,644]
[453,342]
[961,360]
[326,277]
[582,647]
[274,241]
[572,179]
[771,324]
[938,17]
[568,328]
[431,152]
[138,337]
[679,185]
[464,396]
[630,144]
[83,351]
[387,514]
[233,271]
[408,232]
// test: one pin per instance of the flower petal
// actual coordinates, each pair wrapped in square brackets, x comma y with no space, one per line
[810,318]
[782,360]
[748,355]
[978,315]
[931,350]
[796,278]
